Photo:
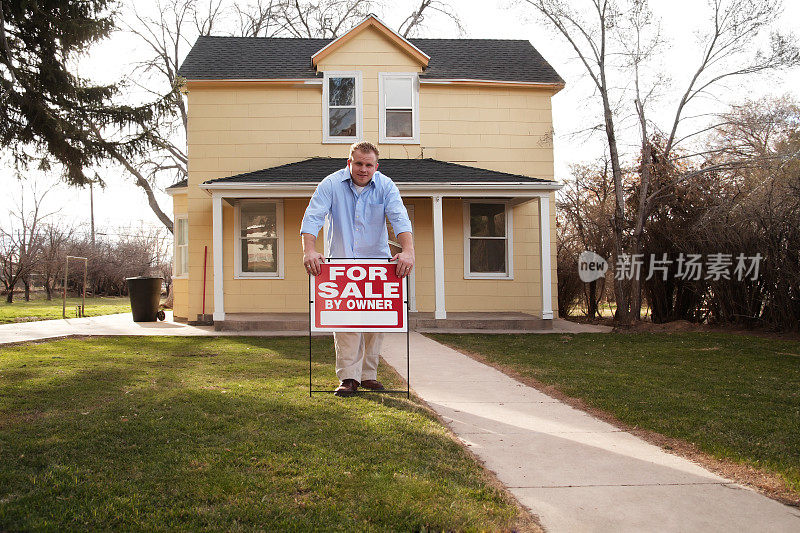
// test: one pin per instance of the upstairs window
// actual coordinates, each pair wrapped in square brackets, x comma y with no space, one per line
[399,108]
[341,118]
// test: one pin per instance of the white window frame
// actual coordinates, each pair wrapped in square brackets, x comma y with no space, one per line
[509,238]
[237,240]
[359,103]
[382,138]
[175,251]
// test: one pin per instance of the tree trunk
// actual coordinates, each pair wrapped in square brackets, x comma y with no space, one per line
[10,295]
[47,289]
[620,288]
[27,284]
[635,310]
[593,299]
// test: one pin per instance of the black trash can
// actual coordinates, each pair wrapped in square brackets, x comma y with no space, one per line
[145,294]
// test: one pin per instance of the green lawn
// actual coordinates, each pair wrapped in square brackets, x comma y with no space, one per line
[736,397]
[162,433]
[41,309]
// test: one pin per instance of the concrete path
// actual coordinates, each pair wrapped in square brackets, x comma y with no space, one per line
[574,471]
[123,324]
[118,324]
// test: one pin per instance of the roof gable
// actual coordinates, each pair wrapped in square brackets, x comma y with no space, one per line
[371,22]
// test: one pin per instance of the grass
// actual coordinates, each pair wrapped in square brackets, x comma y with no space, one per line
[41,309]
[735,397]
[214,434]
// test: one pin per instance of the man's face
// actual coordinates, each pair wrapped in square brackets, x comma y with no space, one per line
[362,166]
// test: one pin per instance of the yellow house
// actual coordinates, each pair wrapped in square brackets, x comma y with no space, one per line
[464,128]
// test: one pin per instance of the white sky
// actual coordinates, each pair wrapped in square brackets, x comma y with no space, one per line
[123,204]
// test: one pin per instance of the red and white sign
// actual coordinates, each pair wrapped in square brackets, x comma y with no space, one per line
[358,295]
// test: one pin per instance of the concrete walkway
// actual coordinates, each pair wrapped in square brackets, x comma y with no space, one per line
[123,324]
[574,471]
[118,324]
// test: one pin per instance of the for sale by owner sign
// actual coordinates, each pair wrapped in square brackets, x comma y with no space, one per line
[358,295]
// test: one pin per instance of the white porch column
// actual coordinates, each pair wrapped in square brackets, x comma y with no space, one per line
[216,215]
[438,257]
[547,288]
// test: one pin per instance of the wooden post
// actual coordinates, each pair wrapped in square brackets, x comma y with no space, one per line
[205,265]
[216,247]
[64,300]
[438,258]
[85,272]
[544,226]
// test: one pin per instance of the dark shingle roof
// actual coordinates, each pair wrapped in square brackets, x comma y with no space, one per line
[229,58]
[215,58]
[179,184]
[400,170]
[486,59]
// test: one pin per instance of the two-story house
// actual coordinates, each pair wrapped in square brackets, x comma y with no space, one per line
[464,129]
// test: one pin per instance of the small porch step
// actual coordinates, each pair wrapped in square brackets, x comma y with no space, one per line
[263,322]
[422,322]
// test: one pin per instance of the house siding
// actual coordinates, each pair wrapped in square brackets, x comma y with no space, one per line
[236,128]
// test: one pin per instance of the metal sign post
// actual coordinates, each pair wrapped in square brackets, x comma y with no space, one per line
[358,295]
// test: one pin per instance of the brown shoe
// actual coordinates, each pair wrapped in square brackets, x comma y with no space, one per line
[372,384]
[347,388]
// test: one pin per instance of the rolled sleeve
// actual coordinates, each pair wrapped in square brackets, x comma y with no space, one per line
[396,212]
[318,207]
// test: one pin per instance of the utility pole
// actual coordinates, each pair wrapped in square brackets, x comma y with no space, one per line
[91,208]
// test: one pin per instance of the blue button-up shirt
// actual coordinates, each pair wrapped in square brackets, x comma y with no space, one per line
[357,222]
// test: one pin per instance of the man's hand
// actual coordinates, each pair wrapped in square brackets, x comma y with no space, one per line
[405,259]
[312,259]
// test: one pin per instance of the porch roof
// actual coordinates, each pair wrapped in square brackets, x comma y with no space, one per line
[418,171]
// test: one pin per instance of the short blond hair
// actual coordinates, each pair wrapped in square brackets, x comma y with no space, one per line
[364,146]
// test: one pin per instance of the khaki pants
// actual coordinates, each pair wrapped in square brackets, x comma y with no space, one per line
[357,355]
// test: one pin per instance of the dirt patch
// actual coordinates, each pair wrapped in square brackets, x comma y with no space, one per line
[678,326]
[27,319]
[767,483]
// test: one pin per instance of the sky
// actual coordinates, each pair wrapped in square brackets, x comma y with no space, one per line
[123,205]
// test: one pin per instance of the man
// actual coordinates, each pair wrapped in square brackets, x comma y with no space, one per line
[357,200]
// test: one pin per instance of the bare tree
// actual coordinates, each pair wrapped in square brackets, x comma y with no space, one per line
[55,239]
[321,19]
[168,36]
[585,206]
[21,242]
[416,20]
[259,19]
[617,38]
[588,32]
